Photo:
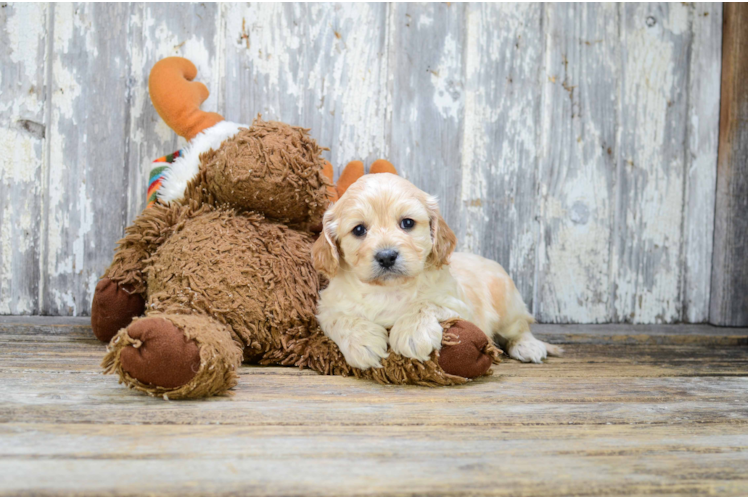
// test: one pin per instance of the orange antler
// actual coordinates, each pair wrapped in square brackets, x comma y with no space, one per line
[355,170]
[177,98]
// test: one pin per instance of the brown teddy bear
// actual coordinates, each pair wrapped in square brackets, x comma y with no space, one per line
[218,271]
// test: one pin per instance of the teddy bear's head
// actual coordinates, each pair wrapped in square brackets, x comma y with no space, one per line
[271,168]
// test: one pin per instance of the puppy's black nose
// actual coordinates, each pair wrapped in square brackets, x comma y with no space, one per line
[386,258]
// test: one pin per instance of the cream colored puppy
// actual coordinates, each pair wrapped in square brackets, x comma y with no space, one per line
[386,250]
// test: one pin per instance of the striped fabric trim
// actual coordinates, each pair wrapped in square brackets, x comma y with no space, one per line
[158,169]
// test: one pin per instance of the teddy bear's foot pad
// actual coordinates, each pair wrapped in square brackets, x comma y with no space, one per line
[161,355]
[466,351]
[113,308]
[175,356]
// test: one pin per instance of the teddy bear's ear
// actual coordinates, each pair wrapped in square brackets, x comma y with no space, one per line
[325,256]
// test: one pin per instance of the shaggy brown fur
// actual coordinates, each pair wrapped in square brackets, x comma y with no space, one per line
[274,168]
[224,266]
[220,356]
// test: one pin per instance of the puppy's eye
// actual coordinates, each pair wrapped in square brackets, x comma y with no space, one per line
[359,230]
[407,224]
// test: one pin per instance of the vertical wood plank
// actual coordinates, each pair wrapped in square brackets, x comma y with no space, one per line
[729,301]
[427,70]
[321,66]
[160,30]
[22,131]
[503,61]
[86,202]
[577,174]
[647,254]
[701,159]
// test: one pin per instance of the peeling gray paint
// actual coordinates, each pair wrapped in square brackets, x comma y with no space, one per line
[575,144]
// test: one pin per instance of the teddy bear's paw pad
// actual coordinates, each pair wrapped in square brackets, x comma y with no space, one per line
[160,355]
[466,351]
[113,308]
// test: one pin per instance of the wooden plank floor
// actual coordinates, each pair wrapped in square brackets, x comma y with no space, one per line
[628,410]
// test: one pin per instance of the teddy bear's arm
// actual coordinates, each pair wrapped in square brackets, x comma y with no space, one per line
[466,353]
[149,230]
[120,294]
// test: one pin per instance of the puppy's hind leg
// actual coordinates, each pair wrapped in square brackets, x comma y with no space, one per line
[522,345]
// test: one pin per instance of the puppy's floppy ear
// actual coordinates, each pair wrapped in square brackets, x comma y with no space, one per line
[325,257]
[443,240]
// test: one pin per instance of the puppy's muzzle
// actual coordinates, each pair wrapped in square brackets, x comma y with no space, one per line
[386,258]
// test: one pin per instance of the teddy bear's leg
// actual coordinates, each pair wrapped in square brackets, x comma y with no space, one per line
[466,353]
[175,356]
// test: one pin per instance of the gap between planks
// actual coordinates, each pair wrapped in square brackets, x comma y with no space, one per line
[613,333]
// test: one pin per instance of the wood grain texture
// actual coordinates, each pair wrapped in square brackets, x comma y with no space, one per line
[605,419]
[428,85]
[281,460]
[651,163]
[729,300]
[321,66]
[573,144]
[581,91]
[85,203]
[701,158]
[22,132]
[503,64]
[160,30]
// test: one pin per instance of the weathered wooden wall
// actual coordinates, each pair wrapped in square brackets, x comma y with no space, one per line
[729,302]
[575,144]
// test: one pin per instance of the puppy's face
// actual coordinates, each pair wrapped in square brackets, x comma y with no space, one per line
[384,230]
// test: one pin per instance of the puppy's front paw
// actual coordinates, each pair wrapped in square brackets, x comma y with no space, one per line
[527,349]
[365,347]
[416,337]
